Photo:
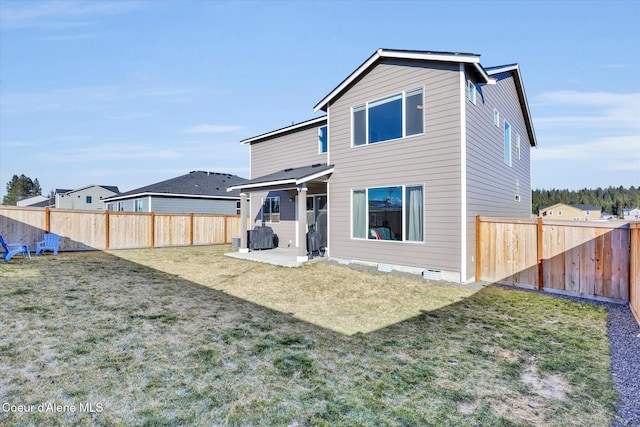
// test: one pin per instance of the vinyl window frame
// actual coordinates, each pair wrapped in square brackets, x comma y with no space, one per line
[377,102]
[405,206]
[472,92]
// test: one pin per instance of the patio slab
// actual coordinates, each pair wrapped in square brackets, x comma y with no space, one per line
[284,257]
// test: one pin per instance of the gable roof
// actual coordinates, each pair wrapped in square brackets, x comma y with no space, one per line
[111,188]
[289,176]
[582,207]
[199,184]
[420,55]
[514,70]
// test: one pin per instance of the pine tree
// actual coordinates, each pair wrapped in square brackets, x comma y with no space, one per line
[20,187]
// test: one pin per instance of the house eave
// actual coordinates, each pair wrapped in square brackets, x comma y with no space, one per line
[191,196]
[277,132]
[524,104]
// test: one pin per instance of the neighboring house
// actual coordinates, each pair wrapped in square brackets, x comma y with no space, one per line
[566,212]
[631,214]
[413,146]
[195,192]
[85,198]
[34,202]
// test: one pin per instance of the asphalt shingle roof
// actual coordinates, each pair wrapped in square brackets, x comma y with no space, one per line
[195,183]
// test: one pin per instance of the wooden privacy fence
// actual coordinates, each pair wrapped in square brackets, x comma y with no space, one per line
[101,230]
[596,260]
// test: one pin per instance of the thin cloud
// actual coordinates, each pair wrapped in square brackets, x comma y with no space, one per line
[59,14]
[609,152]
[603,110]
[212,129]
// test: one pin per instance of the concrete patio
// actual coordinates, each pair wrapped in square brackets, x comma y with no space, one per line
[284,257]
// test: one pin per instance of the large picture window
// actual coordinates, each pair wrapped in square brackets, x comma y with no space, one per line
[388,213]
[388,118]
[271,209]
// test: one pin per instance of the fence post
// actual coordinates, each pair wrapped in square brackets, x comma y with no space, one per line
[106,230]
[191,229]
[540,254]
[47,219]
[152,230]
[478,250]
[226,219]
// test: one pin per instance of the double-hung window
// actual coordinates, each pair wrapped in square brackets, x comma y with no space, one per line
[271,209]
[392,117]
[388,213]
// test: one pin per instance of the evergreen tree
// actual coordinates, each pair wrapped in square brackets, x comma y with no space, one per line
[612,199]
[20,187]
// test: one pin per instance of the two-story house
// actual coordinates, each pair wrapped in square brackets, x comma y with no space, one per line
[85,198]
[413,146]
[578,212]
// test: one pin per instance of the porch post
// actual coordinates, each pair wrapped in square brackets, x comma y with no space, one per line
[302,224]
[243,223]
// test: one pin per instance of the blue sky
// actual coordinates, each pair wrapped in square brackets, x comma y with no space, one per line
[129,93]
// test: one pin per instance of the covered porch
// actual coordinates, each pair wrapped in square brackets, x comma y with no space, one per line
[289,194]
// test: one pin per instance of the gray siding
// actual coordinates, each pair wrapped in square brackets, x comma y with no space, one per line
[293,150]
[181,205]
[431,159]
[491,184]
[187,205]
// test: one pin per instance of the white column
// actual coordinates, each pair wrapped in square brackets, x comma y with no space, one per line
[302,224]
[243,223]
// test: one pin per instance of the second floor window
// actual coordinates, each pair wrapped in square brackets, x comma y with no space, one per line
[323,140]
[88,199]
[384,119]
[507,143]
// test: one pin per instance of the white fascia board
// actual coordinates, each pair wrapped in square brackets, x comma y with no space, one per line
[488,79]
[283,130]
[430,56]
[525,103]
[346,82]
[193,196]
[314,176]
[262,184]
[503,69]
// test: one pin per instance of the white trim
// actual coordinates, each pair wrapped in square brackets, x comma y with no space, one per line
[193,196]
[276,132]
[263,184]
[463,177]
[292,181]
[395,54]
[314,176]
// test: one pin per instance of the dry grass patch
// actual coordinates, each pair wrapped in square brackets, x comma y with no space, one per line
[190,337]
[331,296]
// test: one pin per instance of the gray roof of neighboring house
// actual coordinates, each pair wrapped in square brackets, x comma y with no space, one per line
[296,176]
[111,188]
[199,184]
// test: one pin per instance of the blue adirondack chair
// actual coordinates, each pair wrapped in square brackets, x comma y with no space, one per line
[51,242]
[19,248]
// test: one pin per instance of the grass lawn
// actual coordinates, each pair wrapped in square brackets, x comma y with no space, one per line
[186,336]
